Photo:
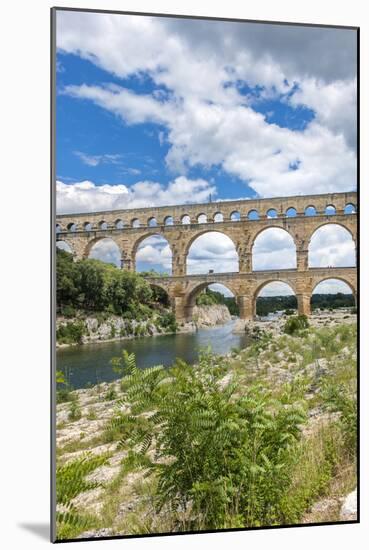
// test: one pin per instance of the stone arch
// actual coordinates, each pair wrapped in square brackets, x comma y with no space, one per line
[135,222]
[58,228]
[189,300]
[152,222]
[91,243]
[87,226]
[235,216]
[313,258]
[119,224]
[185,219]
[332,222]
[253,215]
[162,290]
[271,213]
[156,250]
[168,220]
[264,284]
[64,244]
[330,210]
[291,212]
[103,225]
[199,234]
[350,208]
[291,264]
[72,227]
[342,278]
[310,210]
[218,217]
[202,218]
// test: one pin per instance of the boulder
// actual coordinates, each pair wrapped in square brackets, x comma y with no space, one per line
[349,507]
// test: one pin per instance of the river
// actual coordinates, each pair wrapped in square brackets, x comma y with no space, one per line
[89,364]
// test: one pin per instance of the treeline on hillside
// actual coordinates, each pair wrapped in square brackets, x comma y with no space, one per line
[332,301]
[94,286]
[209,297]
[270,304]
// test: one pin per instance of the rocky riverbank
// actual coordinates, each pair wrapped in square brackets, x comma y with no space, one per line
[120,502]
[108,328]
[274,326]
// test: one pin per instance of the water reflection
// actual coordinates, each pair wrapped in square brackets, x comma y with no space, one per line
[90,363]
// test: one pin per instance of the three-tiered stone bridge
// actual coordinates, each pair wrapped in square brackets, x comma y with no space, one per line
[242,221]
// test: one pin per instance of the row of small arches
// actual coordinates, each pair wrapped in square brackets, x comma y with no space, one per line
[235,216]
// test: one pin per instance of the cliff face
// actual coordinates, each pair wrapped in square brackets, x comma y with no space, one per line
[209,316]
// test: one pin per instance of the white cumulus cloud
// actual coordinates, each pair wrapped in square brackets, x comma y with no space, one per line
[87,196]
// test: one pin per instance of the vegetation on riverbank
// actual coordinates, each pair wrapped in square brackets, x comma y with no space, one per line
[91,287]
[255,438]
[271,304]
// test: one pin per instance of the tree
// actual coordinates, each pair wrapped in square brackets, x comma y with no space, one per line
[67,279]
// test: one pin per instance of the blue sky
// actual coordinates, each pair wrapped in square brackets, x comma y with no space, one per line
[154,111]
[93,144]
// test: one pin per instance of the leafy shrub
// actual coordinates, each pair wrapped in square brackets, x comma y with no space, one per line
[225,457]
[63,393]
[295,324]
[69,311]
[111,394]
[75,412]
[167,321]
[71,333]
[91,414]
[341,397]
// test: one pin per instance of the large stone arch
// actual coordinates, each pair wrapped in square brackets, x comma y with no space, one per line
[350,281]
[259,233]
[274,225]
[165,289]
[210,230]
[318,227]
[258,288]
[68,242]
[189,299]
[147,235]
[115,252]
[92,242]
[351,228]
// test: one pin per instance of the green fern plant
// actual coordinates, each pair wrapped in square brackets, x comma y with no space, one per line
[70,482]
[222,456]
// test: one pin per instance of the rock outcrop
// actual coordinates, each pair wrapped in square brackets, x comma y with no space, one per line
[349,507]
[209,316]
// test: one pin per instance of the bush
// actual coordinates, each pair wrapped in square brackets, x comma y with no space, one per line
[167,321]
[71,333]
[69,311]
[111,394]
[225,457]
[75,412]
[296,324]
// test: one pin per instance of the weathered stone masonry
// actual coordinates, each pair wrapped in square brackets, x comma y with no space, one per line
[128,228]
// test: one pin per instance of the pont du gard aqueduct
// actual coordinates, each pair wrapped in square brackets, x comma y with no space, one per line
[242,221]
